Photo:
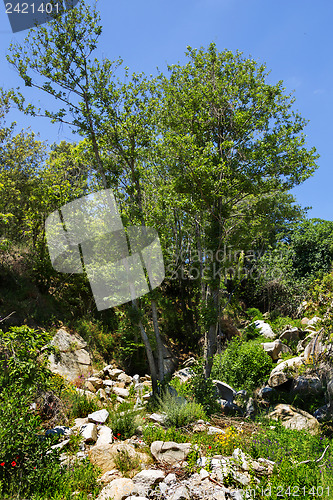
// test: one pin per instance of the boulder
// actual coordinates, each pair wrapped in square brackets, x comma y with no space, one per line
[313,321]
[294,418]
[118,489]
[284,371]
[105,436]
[307,385]
[275,349]
[303,343]
[290,334]
[99,417]
[170,452]
[104,455]
[72,360]
[265,329]
[170,361]
[89,432]
[323,413]
[184,375]
[109,476]
[157,418]
[113,373]
[225,391]
[123,377]
[147,479]
[314,348]
[267,393]
[123,393]
[214,430]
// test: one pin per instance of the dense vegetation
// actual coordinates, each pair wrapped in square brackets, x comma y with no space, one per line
[206,155]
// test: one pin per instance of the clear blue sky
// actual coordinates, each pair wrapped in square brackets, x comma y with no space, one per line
[293,37]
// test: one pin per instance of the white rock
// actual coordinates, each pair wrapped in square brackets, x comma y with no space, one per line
[89,432]
[99,417]
[214,430]
[118,489]
[123,393]
[203,474]
[105,436]
[265,329]
[157,417]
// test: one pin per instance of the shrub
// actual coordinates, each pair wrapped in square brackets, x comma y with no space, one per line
[180,413]
[126,463]
[202,390]
[254,313]
[243,365]
[124,424]
[79,405]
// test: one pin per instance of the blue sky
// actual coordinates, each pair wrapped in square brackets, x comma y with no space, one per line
[294,39]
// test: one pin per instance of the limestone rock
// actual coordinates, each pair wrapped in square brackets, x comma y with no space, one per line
[147,479]
[313,321]
[89,432]
[123,393]
[214,430]
[114,373]
[184,375]
[284,371]
[157,418]
[96,382]
[225,391]
[103,456]
[72,360]
[118,489]
[294,418]
[307,385]
[110,476]
[169,451]
[290,334]
[105,436]
[265,329]
[123,377]
[314,348]
[275,349]
[99,417]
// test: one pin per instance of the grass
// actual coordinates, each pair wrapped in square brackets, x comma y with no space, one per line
[179,413]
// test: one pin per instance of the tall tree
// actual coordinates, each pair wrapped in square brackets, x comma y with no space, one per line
[231,141]
[57,60]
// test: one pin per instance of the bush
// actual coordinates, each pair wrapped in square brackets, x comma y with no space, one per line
[180,413]
[124,424]
[243,365]
[79,405]
[202,390]
[254,313]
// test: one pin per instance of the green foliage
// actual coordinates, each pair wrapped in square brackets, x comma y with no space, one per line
[202,390]
[243,365]
[180,413]
[153,433]
[22,446]
[126,463]
[254,313]
[22,358]
[287,448]
[124,424]
[79,405]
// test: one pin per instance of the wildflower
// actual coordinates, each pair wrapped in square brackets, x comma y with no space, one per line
[13,463]
[210,447]
[2,464]
[118,434]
